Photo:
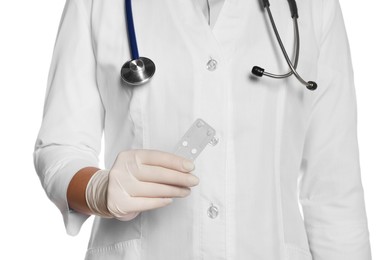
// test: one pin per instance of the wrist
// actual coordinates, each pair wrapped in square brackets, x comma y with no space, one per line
[96,194]
[76,189]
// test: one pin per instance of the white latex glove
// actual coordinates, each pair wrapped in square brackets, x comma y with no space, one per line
[139,180]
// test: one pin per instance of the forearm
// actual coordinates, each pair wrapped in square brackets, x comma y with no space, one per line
[76,190]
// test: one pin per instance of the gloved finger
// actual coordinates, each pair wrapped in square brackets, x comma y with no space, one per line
[156,174]
[127,217]
[164,159]
[129,206]
[155,190]
[142,203]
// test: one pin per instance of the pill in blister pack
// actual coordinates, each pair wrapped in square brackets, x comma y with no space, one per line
[195,140]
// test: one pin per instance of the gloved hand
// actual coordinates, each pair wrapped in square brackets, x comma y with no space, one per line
[139,180]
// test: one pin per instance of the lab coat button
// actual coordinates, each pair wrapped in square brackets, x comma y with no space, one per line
[212,211]
[211,65]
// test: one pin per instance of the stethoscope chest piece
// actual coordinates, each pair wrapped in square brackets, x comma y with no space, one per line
[137,71]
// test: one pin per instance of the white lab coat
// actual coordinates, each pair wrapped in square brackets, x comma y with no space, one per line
[279,143]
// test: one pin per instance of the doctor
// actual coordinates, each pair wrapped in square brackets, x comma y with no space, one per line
[279,144]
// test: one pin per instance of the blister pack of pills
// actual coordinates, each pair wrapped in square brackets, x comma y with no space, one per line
[195,140]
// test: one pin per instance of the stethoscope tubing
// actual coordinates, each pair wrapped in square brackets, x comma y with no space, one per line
[285,54]
[296,55]
[131,31]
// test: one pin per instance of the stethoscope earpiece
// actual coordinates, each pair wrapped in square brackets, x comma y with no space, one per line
[312,85]
[257,71]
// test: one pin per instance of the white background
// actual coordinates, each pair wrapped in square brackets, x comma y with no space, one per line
[31,226]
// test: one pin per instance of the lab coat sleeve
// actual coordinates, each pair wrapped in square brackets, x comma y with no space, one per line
[71,130]
[331,192]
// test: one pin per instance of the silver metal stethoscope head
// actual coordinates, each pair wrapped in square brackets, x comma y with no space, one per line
[138,71]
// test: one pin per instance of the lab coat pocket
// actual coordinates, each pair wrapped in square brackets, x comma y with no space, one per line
[296,253]
[115,240]
[124,250]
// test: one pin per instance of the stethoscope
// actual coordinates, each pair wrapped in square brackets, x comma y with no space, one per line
[140,70]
